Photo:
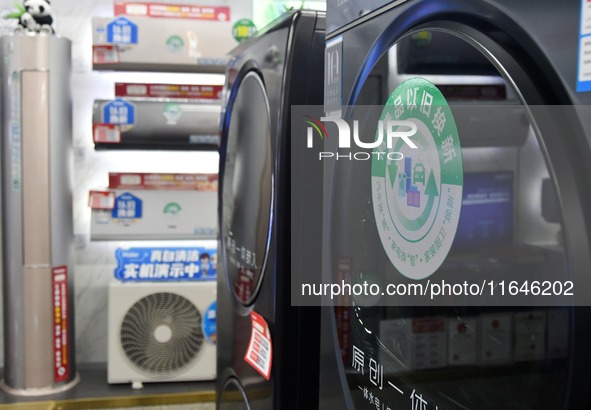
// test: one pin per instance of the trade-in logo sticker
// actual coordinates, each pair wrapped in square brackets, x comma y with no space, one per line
[417,200]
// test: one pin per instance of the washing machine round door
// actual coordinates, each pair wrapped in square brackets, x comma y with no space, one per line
[233,396]
[247,189]
[484,201]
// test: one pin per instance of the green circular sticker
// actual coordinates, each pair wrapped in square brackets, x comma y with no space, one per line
[417,192]
[243,29]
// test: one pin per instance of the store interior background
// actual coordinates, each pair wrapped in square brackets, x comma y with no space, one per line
[95,261]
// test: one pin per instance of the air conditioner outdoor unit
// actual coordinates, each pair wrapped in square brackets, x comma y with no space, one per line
[161,331]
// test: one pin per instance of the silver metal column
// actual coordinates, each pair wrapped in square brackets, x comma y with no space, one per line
[37,227]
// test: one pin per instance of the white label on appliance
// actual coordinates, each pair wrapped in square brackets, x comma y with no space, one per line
[558,333]
[530,336]
[137,89]
[496,336]
[461,342]
[429,343]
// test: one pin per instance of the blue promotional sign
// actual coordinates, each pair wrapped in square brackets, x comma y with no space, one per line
[119,112]
[166,264]
[122,31]
[209,323]
[127,207]
[584,66]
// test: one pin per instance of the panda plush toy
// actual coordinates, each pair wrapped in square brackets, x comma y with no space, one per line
[36,16]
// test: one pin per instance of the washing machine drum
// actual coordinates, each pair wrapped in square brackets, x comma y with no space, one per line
[477,202]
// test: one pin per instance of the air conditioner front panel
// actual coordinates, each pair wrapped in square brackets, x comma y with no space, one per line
[156,332]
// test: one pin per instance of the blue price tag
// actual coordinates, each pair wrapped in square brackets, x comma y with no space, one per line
[119,112]
[122,31]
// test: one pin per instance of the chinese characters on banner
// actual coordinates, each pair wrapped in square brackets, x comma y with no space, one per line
[162,264]
[60,324]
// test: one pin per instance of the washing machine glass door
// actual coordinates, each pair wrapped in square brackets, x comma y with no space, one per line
[476,203]
[247,189]
[233,397]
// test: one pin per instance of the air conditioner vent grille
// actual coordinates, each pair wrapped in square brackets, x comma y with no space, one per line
[161,334]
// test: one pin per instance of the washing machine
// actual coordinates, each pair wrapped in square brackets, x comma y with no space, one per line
[493,197]
[268,348]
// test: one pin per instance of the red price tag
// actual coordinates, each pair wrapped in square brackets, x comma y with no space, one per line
[260,349]
[107,133]
[105,55]
[60,324]
[101,200]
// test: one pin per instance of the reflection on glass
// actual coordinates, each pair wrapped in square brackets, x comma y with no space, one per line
[453,355]
[247,190]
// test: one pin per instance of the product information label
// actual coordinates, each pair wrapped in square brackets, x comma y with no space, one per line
[417,199]
[60,324]
[584,74]
[333,58]
[15,134]
[260,349]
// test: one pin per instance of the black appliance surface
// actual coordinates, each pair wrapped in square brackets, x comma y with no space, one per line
[268,74]
[520,57]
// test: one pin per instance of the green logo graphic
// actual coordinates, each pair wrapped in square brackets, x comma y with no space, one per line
[243,29]
[175,44]
[417,201]
[172,209]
